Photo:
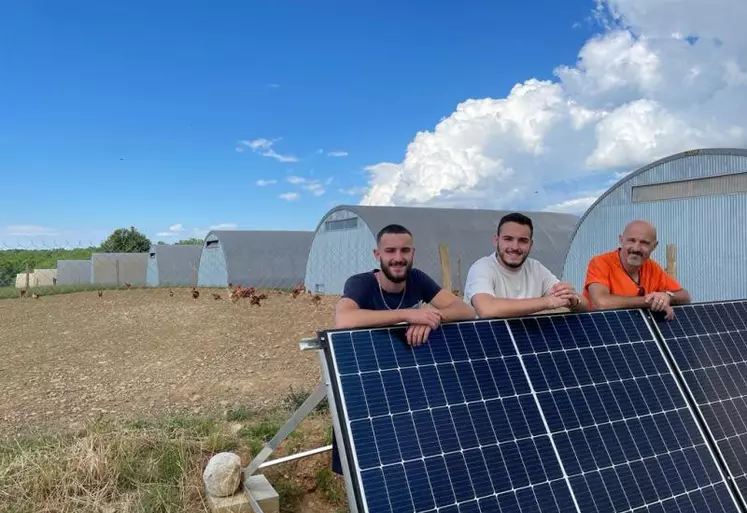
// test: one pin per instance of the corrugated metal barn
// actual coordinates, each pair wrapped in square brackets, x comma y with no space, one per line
[267,259]
[119,268]
[73,272]
[346,237]
[173,265]
[698,202]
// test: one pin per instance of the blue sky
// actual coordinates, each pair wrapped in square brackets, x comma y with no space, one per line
[134,113]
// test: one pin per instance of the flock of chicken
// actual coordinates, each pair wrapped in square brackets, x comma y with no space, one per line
[255,298]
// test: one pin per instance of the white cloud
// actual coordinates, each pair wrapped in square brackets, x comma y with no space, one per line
[178,230]
[295,179]
[224,226]
[664,76]
[264,147]
[263,183]
[337,153]
[353,191]
[289,196]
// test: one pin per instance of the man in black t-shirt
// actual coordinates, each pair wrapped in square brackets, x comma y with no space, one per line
[396,293]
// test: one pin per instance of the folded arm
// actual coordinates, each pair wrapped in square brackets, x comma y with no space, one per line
[603,299]
[349,315]
[488,306]
[451,307]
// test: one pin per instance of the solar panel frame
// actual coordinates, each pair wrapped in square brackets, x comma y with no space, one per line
[338,408]
[668,331]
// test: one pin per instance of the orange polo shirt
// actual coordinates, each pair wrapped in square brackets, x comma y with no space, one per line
[606,269]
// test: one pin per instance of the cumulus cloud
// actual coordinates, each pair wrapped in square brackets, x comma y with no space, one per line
[263,183]
[289,196]
[315,187]
[337,153]
[663,76]
[179,230]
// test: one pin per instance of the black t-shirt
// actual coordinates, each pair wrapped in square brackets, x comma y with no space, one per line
[364,289]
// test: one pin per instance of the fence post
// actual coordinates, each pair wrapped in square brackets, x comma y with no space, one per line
[443,251]
[116,265]
[28,277]
[672,261]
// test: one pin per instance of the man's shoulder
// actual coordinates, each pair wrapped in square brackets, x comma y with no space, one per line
[361,279]
[485,263]
[606,258]
[419,275]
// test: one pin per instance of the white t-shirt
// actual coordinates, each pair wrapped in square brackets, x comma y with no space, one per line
[488,276]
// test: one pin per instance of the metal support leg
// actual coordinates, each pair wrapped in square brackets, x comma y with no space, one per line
[301,413]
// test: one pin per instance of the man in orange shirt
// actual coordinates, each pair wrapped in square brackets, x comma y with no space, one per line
[628,278]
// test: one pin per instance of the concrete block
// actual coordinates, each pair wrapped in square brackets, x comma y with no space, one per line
[236,503]
[262,491]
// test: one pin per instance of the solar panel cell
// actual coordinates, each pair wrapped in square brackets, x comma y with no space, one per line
[550,414]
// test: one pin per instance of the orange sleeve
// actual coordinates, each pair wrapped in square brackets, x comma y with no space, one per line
[598,271]
[666,282]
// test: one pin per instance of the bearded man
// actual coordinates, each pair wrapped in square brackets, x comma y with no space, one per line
[396,293]
[508,283]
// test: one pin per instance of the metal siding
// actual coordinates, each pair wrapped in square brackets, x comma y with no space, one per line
[468,233]
[151,275]
[268,259]
[212,270]
[73,272]
[132,268]
[175,264]
[337,254]
[710,232]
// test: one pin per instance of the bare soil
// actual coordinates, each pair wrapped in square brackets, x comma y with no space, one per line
[139,352]
[135,354]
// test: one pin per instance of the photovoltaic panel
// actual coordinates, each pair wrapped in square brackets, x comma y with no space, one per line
[450,426]
[544,414]
[625,434]
[708,343]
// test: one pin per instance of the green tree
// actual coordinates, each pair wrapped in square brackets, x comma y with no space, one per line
[124,240]
[192,241]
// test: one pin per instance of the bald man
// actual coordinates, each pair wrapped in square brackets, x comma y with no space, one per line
[628,278]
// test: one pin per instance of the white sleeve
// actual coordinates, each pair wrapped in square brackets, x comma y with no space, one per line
[548,279]
[480,280]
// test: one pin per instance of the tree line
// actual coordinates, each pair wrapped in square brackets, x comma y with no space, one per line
[121,240]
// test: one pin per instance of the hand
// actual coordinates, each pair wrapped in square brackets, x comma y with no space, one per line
[417,334]
[552,302]
[657,301]
[669,313]
[563,289]
[429,317]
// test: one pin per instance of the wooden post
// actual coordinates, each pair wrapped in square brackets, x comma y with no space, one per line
[672,261]
[28,277]
[443,251]
[116,265]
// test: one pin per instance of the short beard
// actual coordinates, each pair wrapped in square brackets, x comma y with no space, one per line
[395,279]
[512,266]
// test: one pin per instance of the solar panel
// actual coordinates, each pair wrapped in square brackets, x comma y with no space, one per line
[559,413]
[708,343]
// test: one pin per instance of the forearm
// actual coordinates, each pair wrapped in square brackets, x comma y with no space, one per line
[610,301]
[681,297]
[582,306]
[501,307]
[457,311]
[358,318]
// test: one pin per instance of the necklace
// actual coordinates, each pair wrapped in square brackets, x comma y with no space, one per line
[381,293]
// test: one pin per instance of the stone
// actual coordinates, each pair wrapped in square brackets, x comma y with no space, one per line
[222,474]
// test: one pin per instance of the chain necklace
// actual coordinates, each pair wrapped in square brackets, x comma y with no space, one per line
[381,293]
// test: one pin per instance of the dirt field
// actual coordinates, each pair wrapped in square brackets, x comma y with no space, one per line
[71,357]
[136,354]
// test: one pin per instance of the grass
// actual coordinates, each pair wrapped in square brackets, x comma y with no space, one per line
[155,465]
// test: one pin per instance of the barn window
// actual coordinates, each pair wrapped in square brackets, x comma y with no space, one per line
[710,186]
[341,224]
[153,255]
[212,244]
[319,288]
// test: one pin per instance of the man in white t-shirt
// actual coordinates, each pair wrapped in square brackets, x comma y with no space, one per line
[510,284]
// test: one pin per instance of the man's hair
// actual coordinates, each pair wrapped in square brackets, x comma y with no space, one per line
[518,218]
[396,229]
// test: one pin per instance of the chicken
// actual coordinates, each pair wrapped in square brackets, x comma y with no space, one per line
[35,295]
[316,299]
[254,300]
[22,292]
[195,293]
[100,293]
[171,293]
[127,284]
[216,296]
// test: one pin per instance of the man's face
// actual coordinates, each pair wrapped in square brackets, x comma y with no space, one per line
[395,254]
[637,243]
[513,244]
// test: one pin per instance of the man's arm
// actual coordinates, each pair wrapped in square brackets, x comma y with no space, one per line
[681,296]
[602,298]
[451,307]
[349,315]
[488,306]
